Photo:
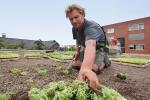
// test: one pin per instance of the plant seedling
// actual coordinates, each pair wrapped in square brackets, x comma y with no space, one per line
[123,75]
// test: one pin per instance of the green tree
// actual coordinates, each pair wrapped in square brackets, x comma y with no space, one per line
[39,45]
[1,43]
[12,46]
[22,44]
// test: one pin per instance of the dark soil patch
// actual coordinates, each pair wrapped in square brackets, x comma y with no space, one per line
[135,87]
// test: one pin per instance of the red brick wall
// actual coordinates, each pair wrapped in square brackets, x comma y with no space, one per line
[121,30]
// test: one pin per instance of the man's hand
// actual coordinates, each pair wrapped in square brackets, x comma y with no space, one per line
[91,76]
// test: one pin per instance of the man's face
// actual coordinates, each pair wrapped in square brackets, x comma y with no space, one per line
[76,18]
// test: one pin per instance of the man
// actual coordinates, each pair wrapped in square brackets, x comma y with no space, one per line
[90,42]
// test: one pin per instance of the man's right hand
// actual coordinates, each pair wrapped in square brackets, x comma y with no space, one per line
[75,55]
[92,78]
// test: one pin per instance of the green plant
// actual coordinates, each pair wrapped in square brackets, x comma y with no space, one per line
[23,73]
[6,96]
[77,90]
[37,94]
[123,75]
[16,71]
[41,72]
[110,94]
[65,71]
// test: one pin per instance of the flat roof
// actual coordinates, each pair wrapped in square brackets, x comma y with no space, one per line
[126,21]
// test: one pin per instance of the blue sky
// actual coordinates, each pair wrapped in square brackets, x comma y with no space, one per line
[45,19]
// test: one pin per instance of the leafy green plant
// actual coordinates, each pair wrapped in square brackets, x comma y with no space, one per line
[41,72]
[65,71]
[110,94]
[23,73]
[123,75]
[16,71]
[6,96]
[76,90]
[37,94]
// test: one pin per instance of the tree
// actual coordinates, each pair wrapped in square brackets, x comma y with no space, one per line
[12,46]
[1,43]
[22,44]
[39,45]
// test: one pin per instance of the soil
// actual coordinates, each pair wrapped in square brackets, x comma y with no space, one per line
[135,87]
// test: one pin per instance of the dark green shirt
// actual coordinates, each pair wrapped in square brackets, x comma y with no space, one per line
[90,31]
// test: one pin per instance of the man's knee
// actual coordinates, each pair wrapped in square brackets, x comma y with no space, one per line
[97,68]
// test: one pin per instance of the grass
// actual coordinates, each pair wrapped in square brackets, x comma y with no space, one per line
[8,54]
[138,61]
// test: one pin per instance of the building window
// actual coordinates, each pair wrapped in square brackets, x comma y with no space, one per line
[110,30]
[139,47]
[141,26]
[139,36]
[136,47]
[135,27]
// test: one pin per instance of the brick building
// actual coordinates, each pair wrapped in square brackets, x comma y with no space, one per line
[133,35]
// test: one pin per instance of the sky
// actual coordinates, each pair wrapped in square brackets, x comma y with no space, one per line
[46,20]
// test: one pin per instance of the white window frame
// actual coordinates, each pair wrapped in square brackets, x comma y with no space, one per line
[133,27]
[110,30]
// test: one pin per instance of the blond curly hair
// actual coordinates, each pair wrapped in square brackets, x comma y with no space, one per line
[72,7]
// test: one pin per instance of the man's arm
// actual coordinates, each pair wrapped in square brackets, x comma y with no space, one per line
[86,67]
[89,55]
